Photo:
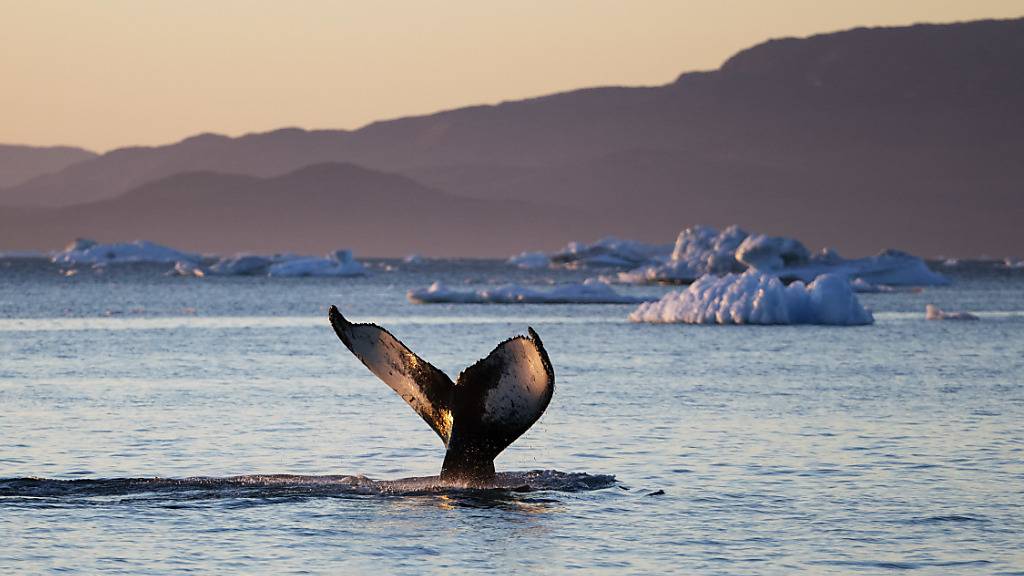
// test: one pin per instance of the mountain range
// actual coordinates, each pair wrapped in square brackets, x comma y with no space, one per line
[909,137]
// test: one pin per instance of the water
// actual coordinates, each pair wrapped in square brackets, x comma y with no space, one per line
[154,424]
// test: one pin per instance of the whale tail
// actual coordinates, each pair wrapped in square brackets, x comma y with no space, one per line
[490,404]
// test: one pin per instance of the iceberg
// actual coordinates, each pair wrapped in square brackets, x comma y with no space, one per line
[769,253]
[889,268]
[242,265]
[182,268]
[530,260]
[588,292]
[85,251]
[703,250]
[754,297]
[932,312]
[414,259]
[698,250]
[338,263]
[610,252]
[1011,264]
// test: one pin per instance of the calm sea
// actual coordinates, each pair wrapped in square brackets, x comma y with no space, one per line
[155,424]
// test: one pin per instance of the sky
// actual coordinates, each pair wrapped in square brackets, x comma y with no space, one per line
[103,74]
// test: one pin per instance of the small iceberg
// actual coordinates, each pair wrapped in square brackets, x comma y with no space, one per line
[85,251]
[757,298]
[339,263]
[887,268]
[530,260]
[588,292]
[703,250]
[242,265]
[414,259]
[610,252]
[698,250]
[932,312]
[182,268]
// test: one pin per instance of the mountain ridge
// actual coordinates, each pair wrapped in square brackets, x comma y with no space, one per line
[840,138]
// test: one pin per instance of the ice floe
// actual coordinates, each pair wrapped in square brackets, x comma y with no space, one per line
[182,268]
[757,298]
[243,264]
[588,292]
[85,251]
[414,259]
[932,312]
[337,263]
[609,252]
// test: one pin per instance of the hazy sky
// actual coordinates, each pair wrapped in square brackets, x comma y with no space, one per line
[104,74]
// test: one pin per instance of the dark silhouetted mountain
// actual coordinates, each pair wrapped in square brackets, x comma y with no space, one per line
[909,137]
[21,163]
[312,210]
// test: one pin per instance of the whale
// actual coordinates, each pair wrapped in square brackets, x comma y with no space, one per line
[488,406]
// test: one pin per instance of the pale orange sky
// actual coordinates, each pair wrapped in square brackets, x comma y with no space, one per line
[105,74]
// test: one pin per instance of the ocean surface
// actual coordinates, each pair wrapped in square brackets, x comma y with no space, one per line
[154,424]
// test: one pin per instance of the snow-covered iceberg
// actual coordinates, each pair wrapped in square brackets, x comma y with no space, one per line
[610,252]
[702,250]
[589,292]
[888,268]
[242,265]
[932,312]
[698,250]
[757,298]
[337,263]
[85,251]
[530,260]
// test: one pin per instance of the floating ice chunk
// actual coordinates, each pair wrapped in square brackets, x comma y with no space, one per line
[84,251]
[610,251]
[710,250]
[530,260]
[673,272]
[1012,264]
[242,264]
[950,262]
[414,259]
[698,250]
[932,312]
[337,263]
[182,268]
[757,298]
[889,267]
[769,253]
[589,292]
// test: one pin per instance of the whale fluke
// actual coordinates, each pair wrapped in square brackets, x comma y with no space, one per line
[492,402]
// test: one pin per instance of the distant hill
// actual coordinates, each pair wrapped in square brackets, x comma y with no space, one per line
[312,210]
[909,137]
[21,163]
